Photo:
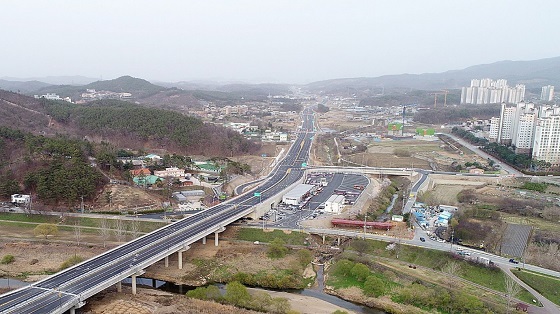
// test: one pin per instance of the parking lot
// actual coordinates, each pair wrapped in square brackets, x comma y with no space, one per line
[289,216]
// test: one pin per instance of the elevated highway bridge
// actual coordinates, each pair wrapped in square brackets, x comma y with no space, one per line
[69,289]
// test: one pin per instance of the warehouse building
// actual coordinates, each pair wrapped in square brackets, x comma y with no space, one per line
[298,194]
[334,204]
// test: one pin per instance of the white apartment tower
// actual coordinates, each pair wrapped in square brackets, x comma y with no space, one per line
[505,131]
[546,145]
[488,91]
[494,129]
[523,127]
[547,93]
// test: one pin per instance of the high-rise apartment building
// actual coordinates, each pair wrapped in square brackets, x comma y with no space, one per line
[515,126]
[546,145]
[488,91]
[523,127]
[547,93]
[506,123]
[531,130]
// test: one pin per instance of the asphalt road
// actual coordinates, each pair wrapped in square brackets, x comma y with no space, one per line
[64,290]
[483,154]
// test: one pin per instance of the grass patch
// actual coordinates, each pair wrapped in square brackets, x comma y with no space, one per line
[253,234]
[18,224]
[28,218]
[540,223]
[548,286]
[492,278]
[16,219]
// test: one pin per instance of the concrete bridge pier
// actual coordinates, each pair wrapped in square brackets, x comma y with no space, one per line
[222,229]
[338,240]
[204,240]
[133,284]
[180,255]
[133,277]
[77,306]
[323,239]
[119,286]
[166,259]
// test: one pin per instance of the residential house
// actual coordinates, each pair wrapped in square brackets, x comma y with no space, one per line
[140,172]
[170,172]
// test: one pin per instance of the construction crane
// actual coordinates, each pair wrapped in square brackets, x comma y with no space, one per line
[442,92]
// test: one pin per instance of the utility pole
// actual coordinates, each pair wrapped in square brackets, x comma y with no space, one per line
[82,205]
[365,222]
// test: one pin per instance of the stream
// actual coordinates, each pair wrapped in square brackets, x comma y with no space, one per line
[315,292]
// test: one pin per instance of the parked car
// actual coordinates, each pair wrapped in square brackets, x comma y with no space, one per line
[511,260]
[422,239]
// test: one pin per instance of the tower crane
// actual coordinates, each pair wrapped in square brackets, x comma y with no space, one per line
[442,92]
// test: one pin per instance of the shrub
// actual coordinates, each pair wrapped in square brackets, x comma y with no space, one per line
[7,259]
[46,230]
[360,271]
[304,257]
[277,249]
[76,259]
[237,294]
[374,286]
[343,268]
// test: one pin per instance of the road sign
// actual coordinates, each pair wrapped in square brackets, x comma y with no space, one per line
[258,194]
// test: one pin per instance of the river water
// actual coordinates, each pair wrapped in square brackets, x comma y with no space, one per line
[315,292]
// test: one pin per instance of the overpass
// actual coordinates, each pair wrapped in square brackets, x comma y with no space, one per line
[70,288]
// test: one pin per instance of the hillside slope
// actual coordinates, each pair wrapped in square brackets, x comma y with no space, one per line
[123,124]
[23,113]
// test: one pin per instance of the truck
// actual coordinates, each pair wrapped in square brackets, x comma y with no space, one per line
[18,199]
[484,260]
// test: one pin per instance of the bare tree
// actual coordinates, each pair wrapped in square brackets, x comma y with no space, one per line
[77,232]
[119,230]
[453,269]
[512,290]
[104,230]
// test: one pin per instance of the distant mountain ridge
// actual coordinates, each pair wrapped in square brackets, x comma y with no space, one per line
[22,86]
[56,80]
[533,74]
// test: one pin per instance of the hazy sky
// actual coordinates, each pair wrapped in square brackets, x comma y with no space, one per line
[269,41]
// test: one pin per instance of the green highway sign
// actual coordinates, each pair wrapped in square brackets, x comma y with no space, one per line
[304,164]
[257,194]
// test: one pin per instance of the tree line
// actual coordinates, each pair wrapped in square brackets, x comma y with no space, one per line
[456,113]
[503,152]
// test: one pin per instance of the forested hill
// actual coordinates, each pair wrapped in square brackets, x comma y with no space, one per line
[139,88]
[128,84]
[123,124]
[129,125]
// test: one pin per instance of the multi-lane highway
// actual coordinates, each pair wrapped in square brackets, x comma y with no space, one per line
[69,288]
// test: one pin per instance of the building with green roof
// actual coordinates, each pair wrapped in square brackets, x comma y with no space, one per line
[146,180]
